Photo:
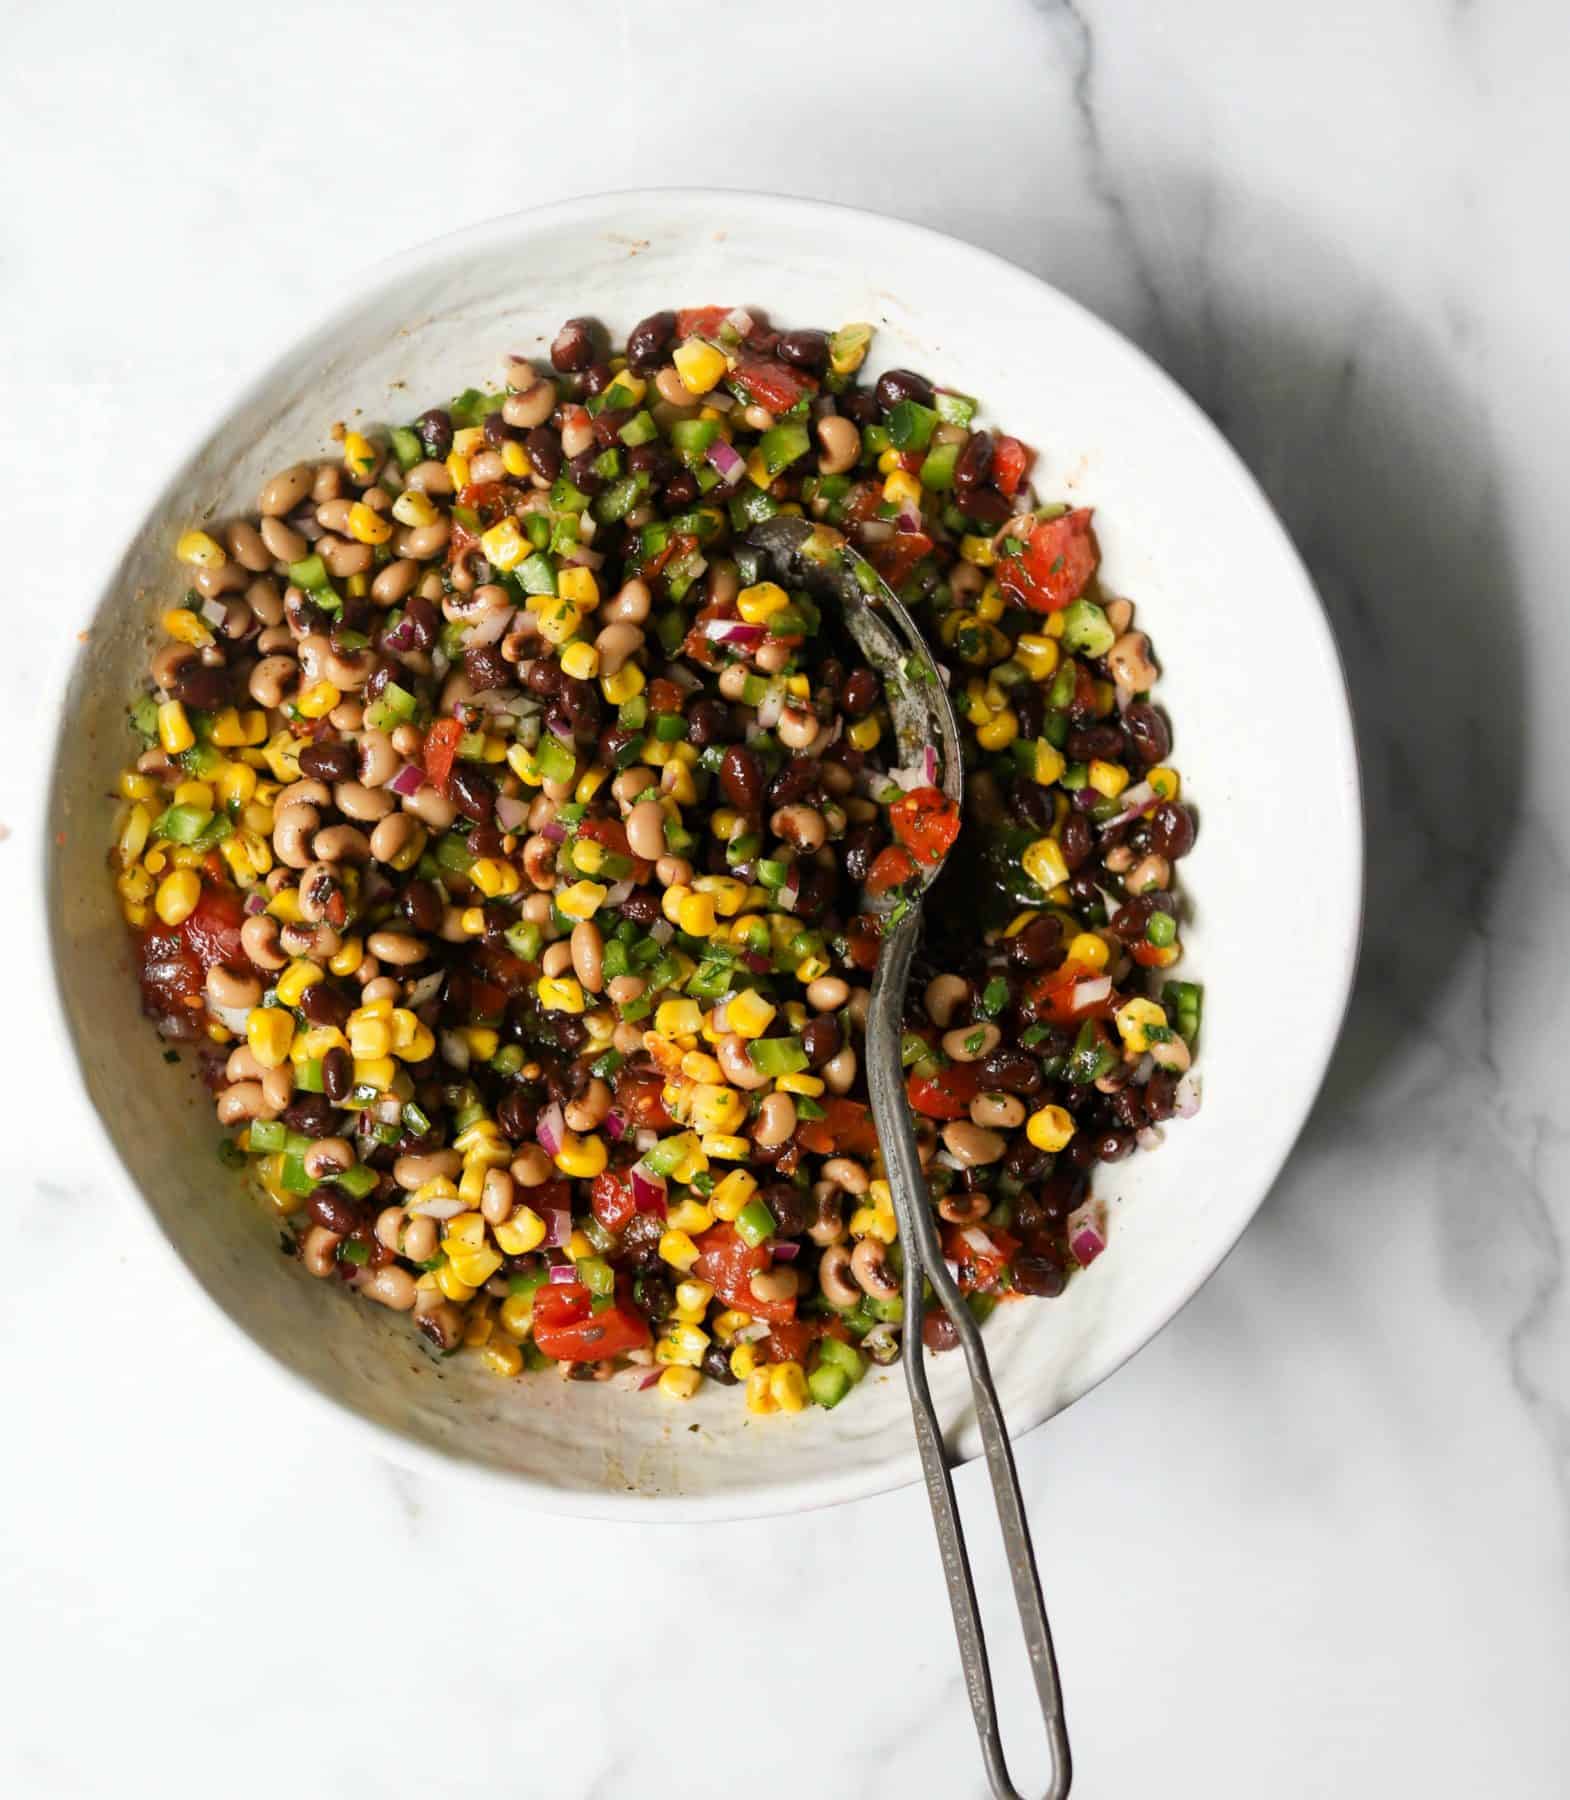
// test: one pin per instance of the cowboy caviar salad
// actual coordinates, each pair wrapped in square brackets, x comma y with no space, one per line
[501,835]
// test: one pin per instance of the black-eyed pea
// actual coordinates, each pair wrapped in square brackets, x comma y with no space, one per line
[841,441]
[943,997]
[531,1167]
[394,836]
[245,545]
[284,492]
[588,952]
[627,1038]
[400,949]
[964,1209]
[770,1286]
[1130,664]
[837,1277]
[869,1264]
[970,1145]
[589,1110]
[630,605]
[244,1100]
[498,1197]
[739,1068]
[318,1251]
[775,1122]
[827,994]
[414,1169]
[389,1285]
[227,988]
[1149,874]
[341,843]
[846,1173]
[840,1070]
[970,1043]
[259,941]
[1173,1053]
[271,679]
[277,1089]
[420,1237]
[556,960]
[327,1157]
[828,1214]
[283,543]
[997,1112]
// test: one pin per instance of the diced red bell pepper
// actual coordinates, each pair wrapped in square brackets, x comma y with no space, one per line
[611,1200]
[789,1341]
[1011,461]
[441,750]
[926,822]
[772,384]
[701,321]
[1060,556]
[891,868]
[567,1329]
[946,1095]
[846,1129]
[728,1262]
[897,556]
[1050,996]
[978,1268]
[638,1099]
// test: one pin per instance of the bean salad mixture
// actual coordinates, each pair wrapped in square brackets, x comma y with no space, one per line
[501,841]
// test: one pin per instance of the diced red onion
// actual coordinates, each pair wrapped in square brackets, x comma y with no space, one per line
[214,611]
[756,961]
[679,675]
[254,904]
[559,727]
[1187,1095]
[388,1111]
[636,1379]
[726,461]
[790,889]
[881,1344]
[909,518]
[876,531]
[550,1129]
[554,830]
[1149,1137]
[737,633]
[558,1226]
[401,637]
[649,1193]
[1090,993]
[771,706]
[618,892]
[902,778]
[231,1017]
[1086,1232]
[491,625]
[438,1208]
[980,1242]
[946,1159]
[740,321]
[425,989]
[512,814]
[582,557]
[1143,1070]
[408,781]
[785,1250]
[644,1139]
[562,1274]
[750,1334]
[615,1127]
[1135,800]
[719,400]
[662,931]
[455,1050]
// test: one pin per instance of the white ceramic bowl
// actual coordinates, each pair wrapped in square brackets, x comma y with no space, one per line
[1263,738]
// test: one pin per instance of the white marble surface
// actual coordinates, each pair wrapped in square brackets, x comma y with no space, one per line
[1314,1539]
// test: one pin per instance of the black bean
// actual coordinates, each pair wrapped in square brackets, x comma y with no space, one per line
[680,491]
[580,701]
[572,349]
[473,793]
[1148,732]
[797,779]
[708,722]
[807,350]
[498,431]
[597,378]
[1023,1161]
[818,889]
[741,778]
[424,621]
[1094,743]
[1031,801]
[651,459]
[198,684]
[335,1211]
[788,1204]
[486,667]
[1171,830]
[1012,1071]
[642,906]
[337,1074]
[517,1113]
[435,428]
[311,1115]
[322,1004]
[1113,1146]
[860,694]
[544,676]
[895,385]
[938,1331]
[975,462]
[861,845]
[607,425]
[1030,708]
[329,761]
[649,339]
[860,404]
[582,473]
[1039,1275]
[543,448]
[1077,841]
[422,904]
[640,1246]
[572,1034]
[1128,1107]
[820,1038]
[1160,1096]
[716,1365]
[985,505]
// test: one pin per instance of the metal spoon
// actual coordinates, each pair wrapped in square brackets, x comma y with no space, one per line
[819,560]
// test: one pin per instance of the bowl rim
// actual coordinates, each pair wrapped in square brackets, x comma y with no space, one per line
[756,1499]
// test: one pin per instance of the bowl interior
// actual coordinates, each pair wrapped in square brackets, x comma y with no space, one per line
[1251,683]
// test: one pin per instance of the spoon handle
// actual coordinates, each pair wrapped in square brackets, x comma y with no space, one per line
[924,1256]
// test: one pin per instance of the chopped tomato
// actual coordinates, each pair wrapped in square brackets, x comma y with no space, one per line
[490,499]
[175,958]
[213,929]
[700,321]
[1050,996]
[441,749]
[979,1264]
[664,696]
[891,869]
[498,965]
[611,835]
[638,1096]
[1152,956]
[863,501]
[926,822]
[773,385]
[487,1002]
[895,558]
[1010,462]
[865,941]
[1060,556]
[846,1129]
[789,1341]
[728,1262]
[567,1329]
[911,460]
[610,1198]
[946,1095]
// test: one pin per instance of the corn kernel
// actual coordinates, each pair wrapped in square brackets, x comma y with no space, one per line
[295,980]
[269,1031]
[678,1018]
[1087,951]
[695,915]
[472,919]
[349,957]
[1036,655]
[368,527]
[414,509]
[1043,863]
[455,1289]
[582,900]
[998,733]
[581,661]
[558,619]
[502,1357]
[135,786]
[523,1232]
[678,1249]
[1049,1129]
[800,1083]
[990,606]
[627,681]
[788,1387]
[728,894]
[848,348]
[759,603]
[728,1323]
[359,454]
[1135,1019]
[200,551]
[1107,778]
[369,1038]
[582,1157]
[458,468]
[717,1108]
[469,440]
[699,365]
[318,700]
[732,1195]
[494,877]
[515,460]
[174,728]
[864,734]
[1049,764]
[378,1072]
[563,995]
[759,1398]
[692,1298]
[902,488]
[680,1384]
[888,461]
[504,545]
[977,550]
[1166,783]
[177,896]
[725,1147]
[186,627]
[578,585]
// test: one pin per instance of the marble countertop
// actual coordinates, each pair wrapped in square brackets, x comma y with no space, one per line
[1313,1540]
